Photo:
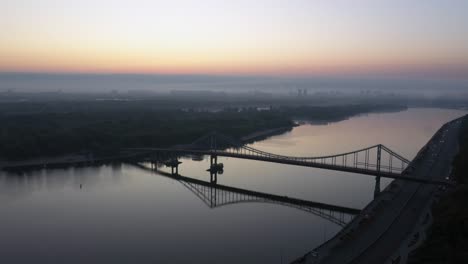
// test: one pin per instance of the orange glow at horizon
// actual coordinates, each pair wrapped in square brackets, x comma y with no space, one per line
[202,64]
[209,37]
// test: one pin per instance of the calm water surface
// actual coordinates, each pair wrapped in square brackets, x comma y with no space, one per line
[124,214]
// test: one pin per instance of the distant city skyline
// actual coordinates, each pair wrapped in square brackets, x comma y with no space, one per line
[420,39]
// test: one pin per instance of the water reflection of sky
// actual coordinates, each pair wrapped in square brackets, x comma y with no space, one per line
[125,214]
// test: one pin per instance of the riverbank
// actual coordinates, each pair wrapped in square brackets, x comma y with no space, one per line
[264,134]
[89,159]
[104,129]
[306,232]
[447,238]
[385,224]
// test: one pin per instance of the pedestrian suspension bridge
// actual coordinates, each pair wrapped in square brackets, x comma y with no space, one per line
[377,160]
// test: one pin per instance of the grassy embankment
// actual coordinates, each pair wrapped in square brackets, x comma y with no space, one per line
[448,238]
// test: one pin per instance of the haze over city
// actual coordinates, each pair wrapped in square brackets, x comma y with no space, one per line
[208,131]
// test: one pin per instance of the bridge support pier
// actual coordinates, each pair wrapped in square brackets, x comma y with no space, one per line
[377,187]
[213,160]
[174,164]
[213,177]
[175,169]
[213,170]
[154,165]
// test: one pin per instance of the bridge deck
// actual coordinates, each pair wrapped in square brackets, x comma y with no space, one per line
[299,162]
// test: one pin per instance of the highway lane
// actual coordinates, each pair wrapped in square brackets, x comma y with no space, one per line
[378,233]
[437,166]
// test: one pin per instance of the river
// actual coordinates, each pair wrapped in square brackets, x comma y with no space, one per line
[125,214]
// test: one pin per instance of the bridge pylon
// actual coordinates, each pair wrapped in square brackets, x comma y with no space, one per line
[377,177]
[215,168]
[213,142]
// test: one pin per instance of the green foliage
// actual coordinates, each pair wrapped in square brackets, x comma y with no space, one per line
[32,135]
[32,129]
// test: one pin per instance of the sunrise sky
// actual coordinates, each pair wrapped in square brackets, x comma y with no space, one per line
[275,37]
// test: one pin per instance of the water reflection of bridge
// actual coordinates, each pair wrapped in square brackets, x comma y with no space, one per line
[215,195]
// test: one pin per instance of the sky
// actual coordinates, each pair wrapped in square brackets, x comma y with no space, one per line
[418,38]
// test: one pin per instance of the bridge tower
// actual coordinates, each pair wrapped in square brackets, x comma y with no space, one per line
[213,159]
[377,178]
[215,168]
[213,150]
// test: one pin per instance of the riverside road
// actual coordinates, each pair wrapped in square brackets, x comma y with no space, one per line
[377,234]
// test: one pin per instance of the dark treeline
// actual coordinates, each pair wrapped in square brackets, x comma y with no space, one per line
[448,237]
[55,128]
